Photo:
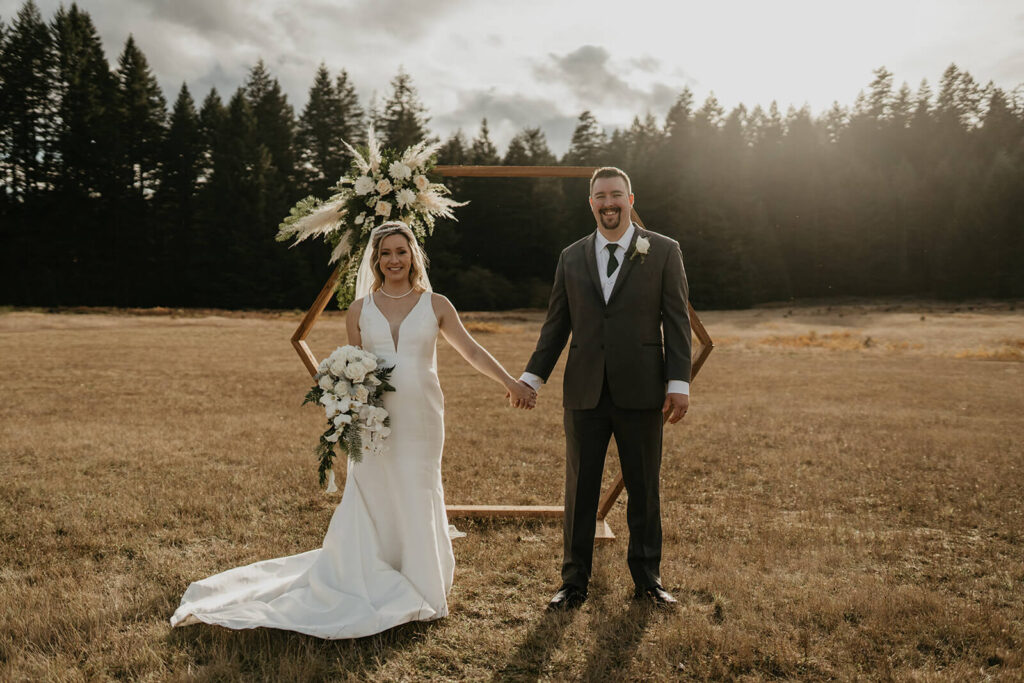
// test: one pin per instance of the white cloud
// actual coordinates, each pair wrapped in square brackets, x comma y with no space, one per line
[534,62]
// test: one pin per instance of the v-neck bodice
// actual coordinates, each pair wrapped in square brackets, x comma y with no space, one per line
[417,333]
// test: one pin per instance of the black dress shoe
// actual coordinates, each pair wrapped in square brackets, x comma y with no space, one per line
[656,595]
[568,597]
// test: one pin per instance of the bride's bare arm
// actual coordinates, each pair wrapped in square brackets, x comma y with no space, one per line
[450,324]
[355,338]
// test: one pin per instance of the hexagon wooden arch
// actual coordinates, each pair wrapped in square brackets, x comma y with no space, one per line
[604,532]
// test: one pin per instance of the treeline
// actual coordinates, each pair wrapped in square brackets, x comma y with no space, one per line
[113,198]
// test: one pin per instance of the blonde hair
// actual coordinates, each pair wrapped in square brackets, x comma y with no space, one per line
[418,268]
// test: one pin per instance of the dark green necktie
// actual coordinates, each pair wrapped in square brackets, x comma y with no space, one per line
[613,262]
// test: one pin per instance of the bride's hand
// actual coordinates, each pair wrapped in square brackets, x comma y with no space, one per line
[521,395]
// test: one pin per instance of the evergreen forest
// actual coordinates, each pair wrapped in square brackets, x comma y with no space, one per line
[117,194]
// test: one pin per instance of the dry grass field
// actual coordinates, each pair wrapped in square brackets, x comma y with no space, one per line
[844,501]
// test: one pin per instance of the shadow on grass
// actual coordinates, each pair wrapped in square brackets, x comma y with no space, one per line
[216,653]
[616,639]
[531,658]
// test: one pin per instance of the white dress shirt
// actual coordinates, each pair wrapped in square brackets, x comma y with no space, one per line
[601,247]
[675,386]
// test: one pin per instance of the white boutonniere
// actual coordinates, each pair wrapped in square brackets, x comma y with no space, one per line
[642,246]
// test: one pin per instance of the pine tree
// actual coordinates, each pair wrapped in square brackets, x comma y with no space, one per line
[351,117]
[142,117]
[212,117]
[181,166]
[86,136]
[834,122]
[643,140]
[86,169]
[680,117]
[529,148]
[958,104]
[455,149]
[710,116]
[1001,129]
[331,116]
[589,143]
[483,152]
[27,105]
[274,128]
[902,107]
[879,101]
[403,122]
[182,151]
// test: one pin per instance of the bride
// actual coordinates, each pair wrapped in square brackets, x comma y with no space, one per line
[387,557]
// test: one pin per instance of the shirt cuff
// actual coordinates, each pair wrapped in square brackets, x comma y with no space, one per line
[678,386]
[533,380]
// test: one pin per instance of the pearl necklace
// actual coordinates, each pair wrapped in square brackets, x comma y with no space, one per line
[399,296]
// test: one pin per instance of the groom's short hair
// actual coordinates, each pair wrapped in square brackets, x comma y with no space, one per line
[610,172]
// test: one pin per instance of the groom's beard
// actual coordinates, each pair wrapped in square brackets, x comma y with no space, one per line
[611,221]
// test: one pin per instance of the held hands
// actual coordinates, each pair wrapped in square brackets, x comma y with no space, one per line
[675,407]
[521,395]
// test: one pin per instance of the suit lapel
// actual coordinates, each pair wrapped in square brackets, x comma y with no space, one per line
[590,258]
[627,266]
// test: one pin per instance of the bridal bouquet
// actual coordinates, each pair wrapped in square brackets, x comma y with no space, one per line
[381,185]
[350,385]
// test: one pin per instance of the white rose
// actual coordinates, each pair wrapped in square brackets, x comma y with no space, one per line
[362,394]
[341,387]
[399,171]
[364,185]
[384,209]
[405,197]
[369,362]
[642,245]
[326,383]
[338,367]
[355,372]
[384,186]
[421,182]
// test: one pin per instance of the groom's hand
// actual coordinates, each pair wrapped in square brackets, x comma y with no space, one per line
[521,395]
[675,407]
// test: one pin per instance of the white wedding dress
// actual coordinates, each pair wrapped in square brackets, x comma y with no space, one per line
[387,557]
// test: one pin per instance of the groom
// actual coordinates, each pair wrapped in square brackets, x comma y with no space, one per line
[621,293]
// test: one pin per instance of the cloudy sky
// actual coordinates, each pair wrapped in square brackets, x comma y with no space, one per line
[542,62]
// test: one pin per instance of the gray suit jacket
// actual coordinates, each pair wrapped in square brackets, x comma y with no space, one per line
[641,338]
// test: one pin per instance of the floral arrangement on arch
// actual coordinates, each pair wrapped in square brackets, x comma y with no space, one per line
[381,185]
